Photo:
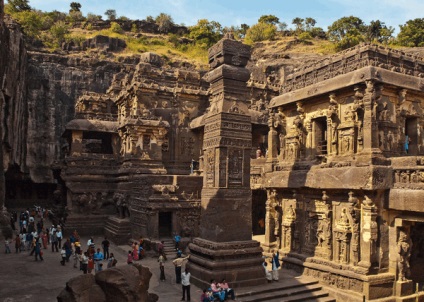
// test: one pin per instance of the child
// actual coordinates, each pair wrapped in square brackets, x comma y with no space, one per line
[130,258]
[90,264]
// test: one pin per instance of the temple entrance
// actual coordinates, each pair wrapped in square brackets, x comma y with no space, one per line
[417,253]
[165,224]
[320,135]
[411,137]
[258,212]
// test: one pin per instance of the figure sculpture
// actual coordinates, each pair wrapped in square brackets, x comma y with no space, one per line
[404,253]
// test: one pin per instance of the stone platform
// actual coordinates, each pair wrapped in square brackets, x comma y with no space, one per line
[118,230]
[87,225]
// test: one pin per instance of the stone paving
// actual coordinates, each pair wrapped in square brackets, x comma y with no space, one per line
[22,279]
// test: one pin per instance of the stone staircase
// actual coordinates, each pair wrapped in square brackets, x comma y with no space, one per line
[169,246]
[118,230]
[289,289]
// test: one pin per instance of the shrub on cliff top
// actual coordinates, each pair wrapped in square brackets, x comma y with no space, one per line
[260,32]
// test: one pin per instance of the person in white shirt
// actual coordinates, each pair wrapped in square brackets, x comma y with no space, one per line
[185,282]
[59,237]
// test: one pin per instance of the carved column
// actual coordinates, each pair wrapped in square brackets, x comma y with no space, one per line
[269,219]
[225,246]
[289,220]
[369,233]
[342,235]
[370,127]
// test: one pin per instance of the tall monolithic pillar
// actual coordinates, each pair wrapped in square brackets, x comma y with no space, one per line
[225,248]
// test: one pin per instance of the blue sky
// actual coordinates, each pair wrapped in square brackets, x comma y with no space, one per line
[236,12]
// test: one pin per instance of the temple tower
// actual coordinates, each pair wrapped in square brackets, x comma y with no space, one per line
[225,248]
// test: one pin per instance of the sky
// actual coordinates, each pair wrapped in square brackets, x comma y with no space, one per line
[236,12]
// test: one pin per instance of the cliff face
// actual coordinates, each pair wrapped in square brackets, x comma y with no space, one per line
[54,83]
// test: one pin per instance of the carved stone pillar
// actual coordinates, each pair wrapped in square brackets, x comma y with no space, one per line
[225,248]
[269,220]
[370,127]
[342,235]
[288,225]
[369,233]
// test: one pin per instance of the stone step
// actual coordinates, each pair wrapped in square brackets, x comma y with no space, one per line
[285,294]
[283,284]
[311,296]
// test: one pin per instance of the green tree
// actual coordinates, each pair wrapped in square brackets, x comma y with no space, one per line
[75,7]
[347,32]
[205,33]
[412,33]
[243,29]
[164,22]
[31,23]
[377,31]
[111,14]
[260,32]
[270,19]
[18,6]
[310,23]
[298,23]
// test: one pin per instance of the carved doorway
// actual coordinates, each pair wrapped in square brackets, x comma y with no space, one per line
[320,135]
[417,253]
[411,136]
[165,224]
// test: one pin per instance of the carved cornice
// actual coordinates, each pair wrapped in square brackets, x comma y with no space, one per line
[353,59]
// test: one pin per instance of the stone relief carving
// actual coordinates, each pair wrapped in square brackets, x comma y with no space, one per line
[404,253]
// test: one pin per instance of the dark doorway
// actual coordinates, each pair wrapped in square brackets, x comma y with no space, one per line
[411,137]
[258,212]
[320,135]
[165,224]
[417,253]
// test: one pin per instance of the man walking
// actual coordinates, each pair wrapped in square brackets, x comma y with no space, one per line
[105,244]
[185,282]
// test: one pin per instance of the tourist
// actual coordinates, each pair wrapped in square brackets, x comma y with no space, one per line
[275,265]
[28,241]
[177,240]
[185,282]
[18,244]
[216,291]
[22,236]
[99,267]
[178,264]
[77,257]
[54,242]
[161,249]
[98,257]
[38,251]
[105,245]
[59,236]
[140,251]
[207,296]
[44,239]
[90,265]
[63,255]
[135,251]
[84,262]
[68,249]
[111,261]
[130,257]
[267,272]
[161,259]
[228,291]
[7,246]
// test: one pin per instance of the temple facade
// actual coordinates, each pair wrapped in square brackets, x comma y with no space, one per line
[327,167]
[343,172]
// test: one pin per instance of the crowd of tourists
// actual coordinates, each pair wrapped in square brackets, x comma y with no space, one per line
[31,235]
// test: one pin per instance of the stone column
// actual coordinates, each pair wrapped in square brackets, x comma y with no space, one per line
[370,127]
[369,233]
[76,145]
[225,249]
[269,220]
